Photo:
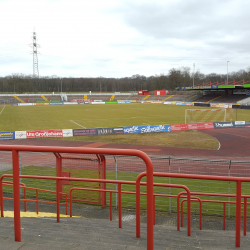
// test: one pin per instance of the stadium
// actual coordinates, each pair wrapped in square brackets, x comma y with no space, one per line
[87,154]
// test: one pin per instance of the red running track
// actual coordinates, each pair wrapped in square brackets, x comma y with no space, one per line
[234,144]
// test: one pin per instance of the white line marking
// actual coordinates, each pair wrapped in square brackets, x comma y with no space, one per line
[2,110]
[78,124]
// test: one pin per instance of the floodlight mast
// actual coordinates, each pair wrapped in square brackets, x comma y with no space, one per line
[35,57]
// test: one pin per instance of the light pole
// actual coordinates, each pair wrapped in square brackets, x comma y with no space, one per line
[193,74]
[61,86]
[227,72]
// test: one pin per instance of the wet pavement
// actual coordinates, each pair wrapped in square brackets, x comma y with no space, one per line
[93,230]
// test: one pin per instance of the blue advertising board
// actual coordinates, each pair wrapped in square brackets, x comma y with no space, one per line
[9,135]
[147,129]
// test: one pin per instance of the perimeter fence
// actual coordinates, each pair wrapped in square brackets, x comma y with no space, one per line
[127,168]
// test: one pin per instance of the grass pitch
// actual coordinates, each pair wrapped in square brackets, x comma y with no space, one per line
[23,118]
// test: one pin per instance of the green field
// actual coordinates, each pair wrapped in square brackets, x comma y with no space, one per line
[128,200]
[22,118]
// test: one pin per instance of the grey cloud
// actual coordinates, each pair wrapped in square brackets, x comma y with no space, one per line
[193,19]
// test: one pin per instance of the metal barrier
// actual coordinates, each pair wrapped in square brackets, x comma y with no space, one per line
[149,185]
[238,181]
[16,192]
[23,186]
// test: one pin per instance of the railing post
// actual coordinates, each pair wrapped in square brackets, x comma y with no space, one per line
[58,200]
[120,204]
[169,170]
[16,195]
[238,214]
[1,196]
[116,180]
[229,167]
[245,216]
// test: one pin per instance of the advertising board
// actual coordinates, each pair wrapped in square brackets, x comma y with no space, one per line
[147,129]
[247,124]
[9,135]
[20,134]
[118,130]
[82,132]
[25,104]
[239,124]
[67,132]
[200,125]
[44,133]
[68,103]
[223,124]
[178,127]
[41,104]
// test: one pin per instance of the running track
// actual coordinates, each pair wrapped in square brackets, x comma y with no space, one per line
[234,145]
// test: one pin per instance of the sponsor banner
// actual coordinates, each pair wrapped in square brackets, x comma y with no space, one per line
[25,104]
[67,132]
[178,103]
[67,103]
[178,127]
[41,104]
[108,131]
[217,105]
[97,102]
[82,132]
[189,104]
[183,103]
[247,124]
[44,133]
[166,103]
[124,102]
[223,124]
[118,130]
[197,126]
[14,104]
[20,134]
[147,129]
[83,103]
[7,135]
[56,103]
[173,102]
[239,124]
[104,131]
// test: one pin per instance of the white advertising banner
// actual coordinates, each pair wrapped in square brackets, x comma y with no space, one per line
[20,135]
[67,132]
[25,104]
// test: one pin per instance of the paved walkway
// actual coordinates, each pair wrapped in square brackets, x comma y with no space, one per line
[93,230]
[93,234]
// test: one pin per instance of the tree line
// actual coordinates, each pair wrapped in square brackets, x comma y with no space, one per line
[176,77]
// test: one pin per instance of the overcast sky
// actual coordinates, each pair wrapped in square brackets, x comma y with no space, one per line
[119,38]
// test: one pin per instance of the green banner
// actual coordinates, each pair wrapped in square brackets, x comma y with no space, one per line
[46,101]
[226,86]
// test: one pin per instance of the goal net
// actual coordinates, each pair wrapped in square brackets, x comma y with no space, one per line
[208,115]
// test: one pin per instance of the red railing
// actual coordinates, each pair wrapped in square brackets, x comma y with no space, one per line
[238,195]
[16,192]
[24,187]
[245,197]
[149,185]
